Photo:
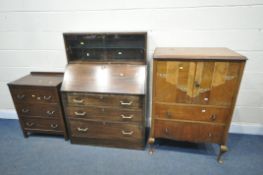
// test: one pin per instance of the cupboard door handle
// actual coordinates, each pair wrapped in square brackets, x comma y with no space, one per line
[25,110]
[80,113]
[20,97]
[126,104]
[47,97]
[30,124]
[82,129]
[54,126]
[50,112]
[213,117]
[127,132]
[126,117]
[78,101]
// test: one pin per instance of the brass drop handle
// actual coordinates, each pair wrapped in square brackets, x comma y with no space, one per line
[54,126]
[213,117]
[126,104]
[126,117]
[78,101]
[47,97]
[210,134]
[30,124]
[168,114]
[127,132]
[20,97]
[50,112]
[166,130]
[82,129]
[80,113]
[25,110]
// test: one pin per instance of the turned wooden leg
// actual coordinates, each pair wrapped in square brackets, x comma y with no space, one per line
[65,137]
[25,134]
[223,149]
[151,143]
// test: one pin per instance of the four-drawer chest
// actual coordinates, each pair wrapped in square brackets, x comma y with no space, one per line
[194,94]
[38,105]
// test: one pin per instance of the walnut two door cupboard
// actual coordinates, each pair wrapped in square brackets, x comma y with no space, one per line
[194,94]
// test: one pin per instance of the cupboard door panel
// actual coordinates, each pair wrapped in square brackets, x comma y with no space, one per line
[176,77]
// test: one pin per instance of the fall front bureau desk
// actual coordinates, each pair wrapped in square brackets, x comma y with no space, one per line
[194,94]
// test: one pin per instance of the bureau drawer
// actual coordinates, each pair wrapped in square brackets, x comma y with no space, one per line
[39,110]
[101,113]
[106,130]
[34,95]
[193,113]
[42,124]
[186,131]
[121,101]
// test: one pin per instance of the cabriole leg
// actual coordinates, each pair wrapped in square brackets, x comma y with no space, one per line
[223,149]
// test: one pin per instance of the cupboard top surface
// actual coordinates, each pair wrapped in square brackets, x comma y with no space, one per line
[105,47]
[105,78]
[49,79]
[197,53]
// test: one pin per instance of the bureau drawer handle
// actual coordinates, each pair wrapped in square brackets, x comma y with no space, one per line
[213,117]
[126,104]
[54,126]
[78,101]
[50,112]
[126,117]
[47,98]
[80,113]
[82,129]
[25,110]
[127,132]
[20,97]
[29,124]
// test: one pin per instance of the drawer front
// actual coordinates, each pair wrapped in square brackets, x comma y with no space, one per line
[34,95]
[42,124]
[39,110]
[100,113]
[184,131]
[120,101]
[193,113]
[106,130]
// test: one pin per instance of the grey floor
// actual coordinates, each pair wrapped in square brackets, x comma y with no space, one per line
[42,155]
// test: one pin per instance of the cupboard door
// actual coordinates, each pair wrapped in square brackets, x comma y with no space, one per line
[174,81]
[215,83]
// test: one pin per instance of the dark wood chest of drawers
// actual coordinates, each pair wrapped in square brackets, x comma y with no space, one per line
[38,105]
[104,89]
[194,94]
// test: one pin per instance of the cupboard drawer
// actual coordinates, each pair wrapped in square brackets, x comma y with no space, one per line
[42,124]
[34,95]
[184,131]
[39,110]
[105,130]
[120,101]
[101,113]
[193,113]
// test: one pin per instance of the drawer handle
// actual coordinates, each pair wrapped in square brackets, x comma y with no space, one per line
[78,101]
[80,113]
[47,98]
[50,112]
[126,117]
[25,110]
[213,117]
[126,104]
[20,97]
[30,124]
[127,132]
[54,126]
[82,129]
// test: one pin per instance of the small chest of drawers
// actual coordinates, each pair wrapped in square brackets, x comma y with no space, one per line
[194,94]
[37,101]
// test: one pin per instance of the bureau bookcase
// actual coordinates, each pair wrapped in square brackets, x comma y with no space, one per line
[194,94]
[104,88]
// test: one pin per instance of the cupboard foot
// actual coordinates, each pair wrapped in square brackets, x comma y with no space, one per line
[223,149]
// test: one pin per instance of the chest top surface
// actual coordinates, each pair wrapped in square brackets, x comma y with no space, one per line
[168,53]
[39,79]
[105,78]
